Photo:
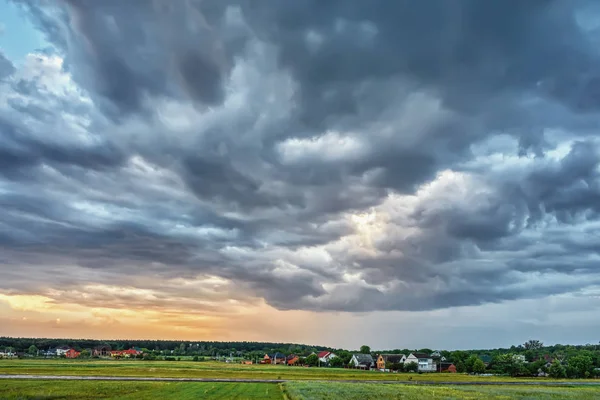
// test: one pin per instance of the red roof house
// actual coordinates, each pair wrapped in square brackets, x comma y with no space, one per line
[72,353]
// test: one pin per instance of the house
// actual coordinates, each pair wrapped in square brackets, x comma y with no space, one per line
[292,359]
[424,361]
[363,361]
[382,359]
[130,353]
[50,353]
[61,351]
[246,362]
[447,367]
[325,356]
[7,354]
[72,353]
[101,351]
[275,358]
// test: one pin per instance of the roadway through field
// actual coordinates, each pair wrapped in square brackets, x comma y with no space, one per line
[233,380]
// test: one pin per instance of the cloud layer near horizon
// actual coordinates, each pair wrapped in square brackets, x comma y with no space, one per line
[321,156]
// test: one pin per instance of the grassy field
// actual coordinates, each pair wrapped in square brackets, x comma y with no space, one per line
[189,369]
[88,390]
[84,390]
[350,391]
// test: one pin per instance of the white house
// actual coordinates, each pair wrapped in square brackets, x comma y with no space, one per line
[325,356]
[362,361]
[61,351]
[424,361]
[7,354]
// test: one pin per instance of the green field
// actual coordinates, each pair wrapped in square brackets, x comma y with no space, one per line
[88,390]
[83,390]
[190,369]
[349,391]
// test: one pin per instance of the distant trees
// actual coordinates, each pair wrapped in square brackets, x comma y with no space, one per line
[337,362]
[470,362]
[557,370]
[411,367]
[165,347]
[478,366]
[533,345]
[344,355]
[364,349]
[458,356]
[33,350]
[580,366]
[312,360]
[510,364]
[84,354]
[397,367]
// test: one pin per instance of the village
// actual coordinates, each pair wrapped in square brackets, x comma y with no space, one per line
[413,362]
[531,358]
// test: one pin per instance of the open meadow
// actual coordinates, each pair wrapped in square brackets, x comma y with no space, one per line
[88,390]
[350,391]
[216,370]
[300,383]
[84,390]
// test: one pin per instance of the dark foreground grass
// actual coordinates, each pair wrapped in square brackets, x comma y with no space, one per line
[89,390]
[366,391]
[190,369]
[85,390]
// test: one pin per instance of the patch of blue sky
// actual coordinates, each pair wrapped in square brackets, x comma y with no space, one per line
[18,36]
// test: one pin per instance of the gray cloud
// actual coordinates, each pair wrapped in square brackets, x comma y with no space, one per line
[248,140]
[6,66]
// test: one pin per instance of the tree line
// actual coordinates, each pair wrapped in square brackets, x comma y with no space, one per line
[175,347]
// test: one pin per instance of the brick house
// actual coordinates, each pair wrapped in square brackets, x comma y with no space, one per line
[447,367]
[292,359]
[72,353]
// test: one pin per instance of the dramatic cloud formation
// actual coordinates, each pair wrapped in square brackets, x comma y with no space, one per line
[222,156]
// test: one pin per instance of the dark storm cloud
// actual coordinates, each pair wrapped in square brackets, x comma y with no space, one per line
[125,51]
[6,67]
[20,151]
[251,135]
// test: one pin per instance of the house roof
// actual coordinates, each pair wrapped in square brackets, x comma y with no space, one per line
[276,355]
[323,354]
[421,355]
[445,365]
[393,358]
[291,357]
[363,358]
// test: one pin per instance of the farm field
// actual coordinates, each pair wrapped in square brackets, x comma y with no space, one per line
[39,390]
[190,369]
[351,391]
[86,390]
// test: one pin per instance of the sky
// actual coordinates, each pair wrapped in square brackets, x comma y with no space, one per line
[399,174]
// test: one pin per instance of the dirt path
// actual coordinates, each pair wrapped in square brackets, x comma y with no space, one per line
[233,380]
